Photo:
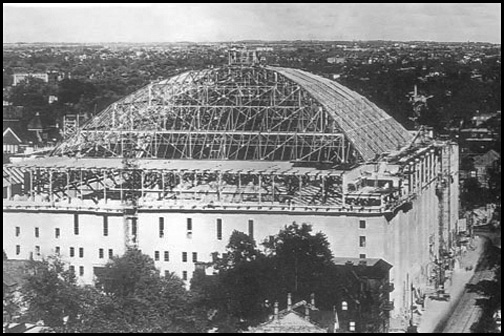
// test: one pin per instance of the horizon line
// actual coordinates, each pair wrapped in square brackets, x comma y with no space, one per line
[252,40]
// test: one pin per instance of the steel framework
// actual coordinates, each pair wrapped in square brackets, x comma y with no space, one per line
[234,113]
[275,183]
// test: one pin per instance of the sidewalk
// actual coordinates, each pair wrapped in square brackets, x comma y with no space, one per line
[436,311]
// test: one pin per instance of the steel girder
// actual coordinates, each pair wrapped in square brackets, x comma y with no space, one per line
[203,187]
[236,113]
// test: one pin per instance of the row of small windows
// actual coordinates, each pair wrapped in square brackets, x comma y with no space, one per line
[57,231]
[57,250]
[81,252]
[189,227]
[71,268]
[161,227]
[166,256]
[101,253]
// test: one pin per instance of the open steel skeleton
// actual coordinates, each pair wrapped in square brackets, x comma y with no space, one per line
[239,133]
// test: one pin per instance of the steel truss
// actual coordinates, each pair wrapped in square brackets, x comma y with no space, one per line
[196,186]
[235,113]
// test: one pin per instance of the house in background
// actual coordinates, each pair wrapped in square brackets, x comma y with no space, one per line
[484,162]
[19,138]
[294,319]
[11,141]
[12,129]
[365,295]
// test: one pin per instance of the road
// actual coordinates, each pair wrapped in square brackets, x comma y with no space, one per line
[436,313]
[467,312]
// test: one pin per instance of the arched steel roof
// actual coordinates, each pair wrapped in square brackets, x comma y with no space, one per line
[369,129]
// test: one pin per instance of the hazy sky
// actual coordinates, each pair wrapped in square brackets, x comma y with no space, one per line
[227,22]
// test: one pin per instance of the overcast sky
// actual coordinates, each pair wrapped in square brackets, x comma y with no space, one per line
[230,22]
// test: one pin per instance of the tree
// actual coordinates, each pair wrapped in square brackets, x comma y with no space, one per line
[241,248]
[472,187]
[297,262]
[234,298]
[32,92]
[74,91]
[301,259]
[51,292]
[138,299]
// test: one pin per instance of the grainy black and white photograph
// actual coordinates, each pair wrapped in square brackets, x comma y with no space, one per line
[251,168]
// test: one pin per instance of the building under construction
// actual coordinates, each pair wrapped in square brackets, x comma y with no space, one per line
[177,166]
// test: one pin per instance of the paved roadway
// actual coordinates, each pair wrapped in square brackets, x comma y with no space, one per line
[466,312]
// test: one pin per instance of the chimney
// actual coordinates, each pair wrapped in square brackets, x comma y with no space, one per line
[275,311]
[312,300]
[289,302]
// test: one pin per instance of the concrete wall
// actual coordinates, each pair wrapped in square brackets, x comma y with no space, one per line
[403,241]
[90,238]
[343,234]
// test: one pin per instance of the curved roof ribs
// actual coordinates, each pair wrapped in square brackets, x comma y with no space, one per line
[241,113]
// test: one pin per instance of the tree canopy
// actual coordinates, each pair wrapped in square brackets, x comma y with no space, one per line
[296,261]
[51,292]
[130,296]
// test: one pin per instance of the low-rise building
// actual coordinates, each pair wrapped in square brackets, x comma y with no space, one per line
[482,164]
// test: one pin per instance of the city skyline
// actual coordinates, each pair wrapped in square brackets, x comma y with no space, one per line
[98,23]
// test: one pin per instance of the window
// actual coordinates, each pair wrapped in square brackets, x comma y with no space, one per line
[161,227]
[72,269]
[81,270]
[37,232]
[344,305]
[18,231]
[166,256]
[110,253]
[362,224]
[251,228]
[72,252]
[362,241]
[134,229]
[101,253]
[57,232]
[18,249]
[105,225]
[81,252]
[167,274]
[156,255]
[57,250]
[76,224]
[184,256]
[184,275]
[37,250]
[195,257]
[351,326]
[189,225]
[219,229]
[362,256]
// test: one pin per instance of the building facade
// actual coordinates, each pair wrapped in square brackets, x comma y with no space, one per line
[175,168]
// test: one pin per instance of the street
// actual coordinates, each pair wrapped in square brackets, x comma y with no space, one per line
[466,312]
